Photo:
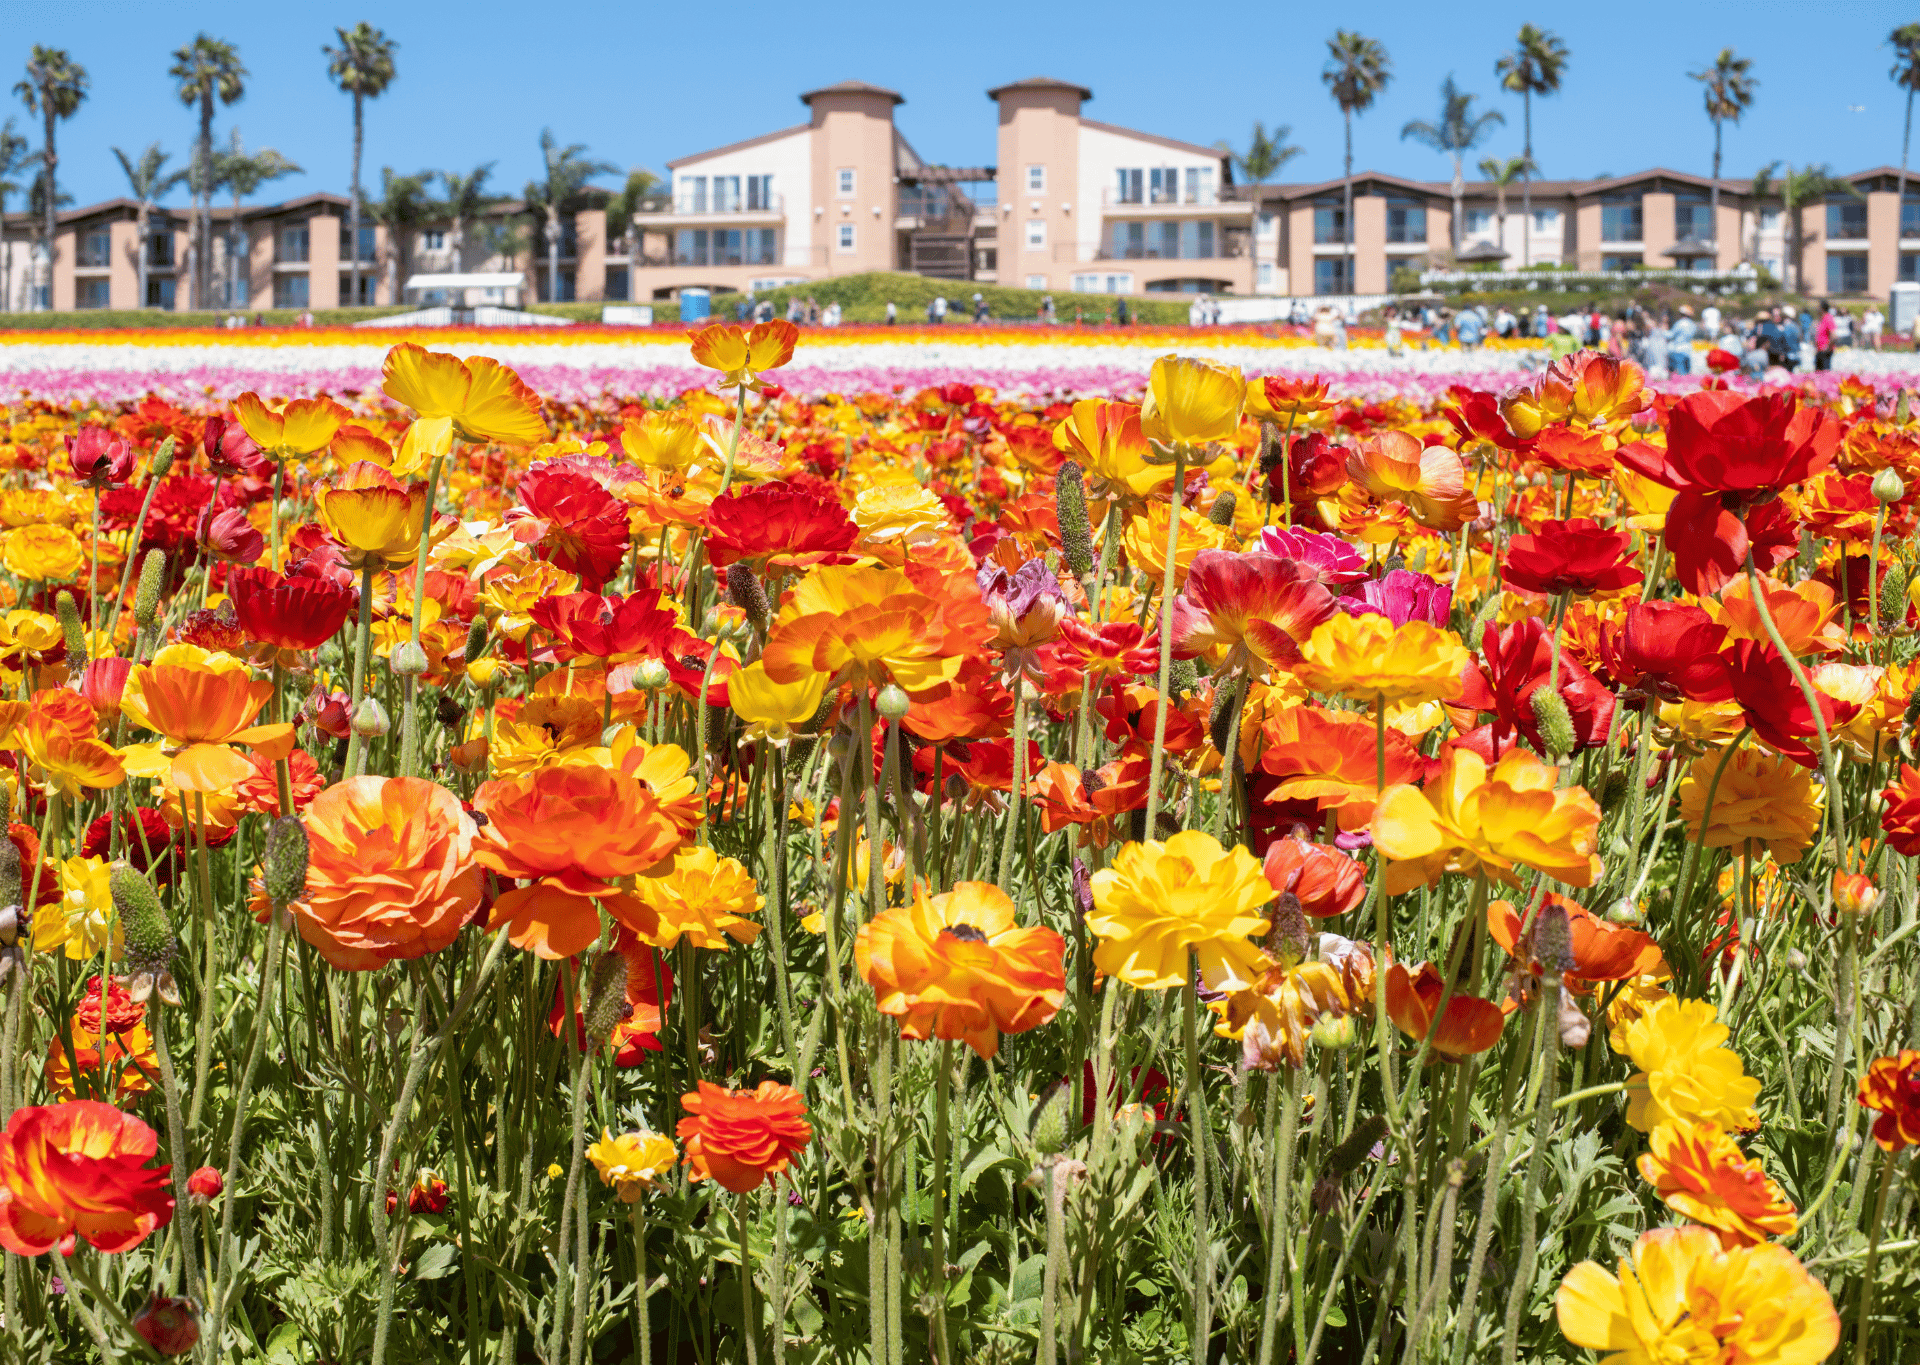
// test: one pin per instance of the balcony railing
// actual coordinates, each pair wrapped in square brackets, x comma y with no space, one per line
[1148,197]
[688,207]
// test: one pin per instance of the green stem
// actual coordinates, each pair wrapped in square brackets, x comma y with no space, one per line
[1860,1334]
[356,743]
[1157,765]
[1197,1130]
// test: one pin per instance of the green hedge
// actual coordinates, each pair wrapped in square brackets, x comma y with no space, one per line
[102,319]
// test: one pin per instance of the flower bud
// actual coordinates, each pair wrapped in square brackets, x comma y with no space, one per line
[1796,960]
[153,577]
[1888,487]
[1613,790]
[892,702]
[1221,513]
[408,660]
[1553,939]
[650,675]
[1477,630]
[284,862]
[749,596]
[1223,724]
[1182,677]
[1854,893]
[370,719]
[476,640]
[1556,723]
[1624,911]
[1070,510]
[1900,409]
[149,944]
[68,613]
[606,997]
[162,459]
[1050,1121]
[204,1186]
[485,673]
[1893,595]
[1335,1032]
[170,1326]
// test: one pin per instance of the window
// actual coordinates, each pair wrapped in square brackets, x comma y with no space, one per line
[1847,219]
[1621,220]
[759,193]
[1266,275]
[1196,241]
[1036,180]
[1406,221]
[160,292]
[1846,274]
[290,246]
[1163,185]
[1199,184]
[1267,224]
[689,194]
[1546,220]
[160,249]
[1036,281]
[723,246]
[366,243]
[845,237]
[433,239]
[1147,241]
[1330,275]
[290,291]
[759,248]
[94,293]
[1769,220]
[726,194]
[367,285]
[1329,222]
[1909,268]
[845,190]
[1130,191]
[1692,220]
[1103,284]
[96,248]
[1036,232]
[1479,220]
[1619,262]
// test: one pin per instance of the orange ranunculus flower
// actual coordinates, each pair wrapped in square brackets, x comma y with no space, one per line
[1587,386]
[1324,880]
[480,397]
[742,354]
[1703,1175]
[203,702]
[1683,1298]
[390,872]
[1430,481]
[1278,396]
[703,897]
[1144,538]
[742,1138]
[1106,439]
[1192,401]
[375,517]
[301,427]
[70,763]
[1602,951]
[1892,1089]
[1470,1024]
[957,966]
[1368,657]
[1762,801]
[1331,758]
[572,831]
[862,625]
[1472,819]
[79,1169]
[1807,615]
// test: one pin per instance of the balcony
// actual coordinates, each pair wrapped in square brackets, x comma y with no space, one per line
[688,212]
[1207,204]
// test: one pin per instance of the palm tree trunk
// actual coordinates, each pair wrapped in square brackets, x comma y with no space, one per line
[203,193]
[1906,137]
[1526,184]
[47,210]
[353,206]
[1713,213]
[140,254]
[1459,206]
[1500,207]
[1346,213]
[553,254]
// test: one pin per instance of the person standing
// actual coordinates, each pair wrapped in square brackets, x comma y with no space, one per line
[1871,326]
[1680,342]
[939,310]
[1823,340]
[1710,321]
[1047,314]
[1470,332]
[980,310]
[893,314]
[1121,313]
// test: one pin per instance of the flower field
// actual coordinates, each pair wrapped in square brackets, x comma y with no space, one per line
[750,848]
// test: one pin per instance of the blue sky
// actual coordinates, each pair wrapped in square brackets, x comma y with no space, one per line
[641,83]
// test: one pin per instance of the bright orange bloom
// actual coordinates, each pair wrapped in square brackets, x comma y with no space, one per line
[390,872]
[79,1170]
[1704,1176]
[957,966]
[1805,613]
[1273,1018]
[862,625]
[1324,880]
[742,355]
[1602,951]
[482,399]
[303,426]
[1430,481]
[203,703]
[570,830]
[70,762]
[1470,1024]
[742,1138]
[1892,1089]
[1331,758]
[1587,386]
[1475,819]
[1106,439]
[375,517]
[1369,658]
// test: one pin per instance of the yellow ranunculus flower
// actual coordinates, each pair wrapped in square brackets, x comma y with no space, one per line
[1762,799]
[1160,900]
[484,400]
[632,1163]
[83,922]
[662,440]
[1145,541]
[703,897]
[299,427]
[426,440]
[1192,401]
[742,354]
[903,512]
[772,709]
[1686,1072]
[49,553]
[1368,657]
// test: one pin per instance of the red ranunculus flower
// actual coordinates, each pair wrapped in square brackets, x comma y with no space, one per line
[1325,881]
[99,458]
[1577,556]
[1256,606]
[1901,818]
[1475,416]
[231,452]
[1668,650]
[1774,705]
[790,526]
[79,1169]
[613,628]
[742,1138]
[1314,468]
[147,842]
[571,520]
[1519,661]
[1892,1090]
[297,612]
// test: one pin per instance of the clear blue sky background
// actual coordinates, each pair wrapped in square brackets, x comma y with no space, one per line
[640,83]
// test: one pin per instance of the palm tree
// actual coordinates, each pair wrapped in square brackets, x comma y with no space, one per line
[207,69]
[1458,132]
[640,186]
[1809,185]
[1534,67]
[1357,70]
[54,87]
[1729,94]
[14,156]
[568,172]
[148,179]
[1758,192]
[1265,156]
[466,200]
[1906,75]
[243,173]
[402,204]
[1502,174]
[362,66]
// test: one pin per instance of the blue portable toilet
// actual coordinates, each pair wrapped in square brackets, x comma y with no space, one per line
[695,304]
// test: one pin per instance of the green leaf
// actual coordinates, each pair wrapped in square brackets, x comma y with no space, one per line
[436,1262]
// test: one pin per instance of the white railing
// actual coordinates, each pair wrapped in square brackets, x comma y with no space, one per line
[1742,276]
[686,207]
[1280,307]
